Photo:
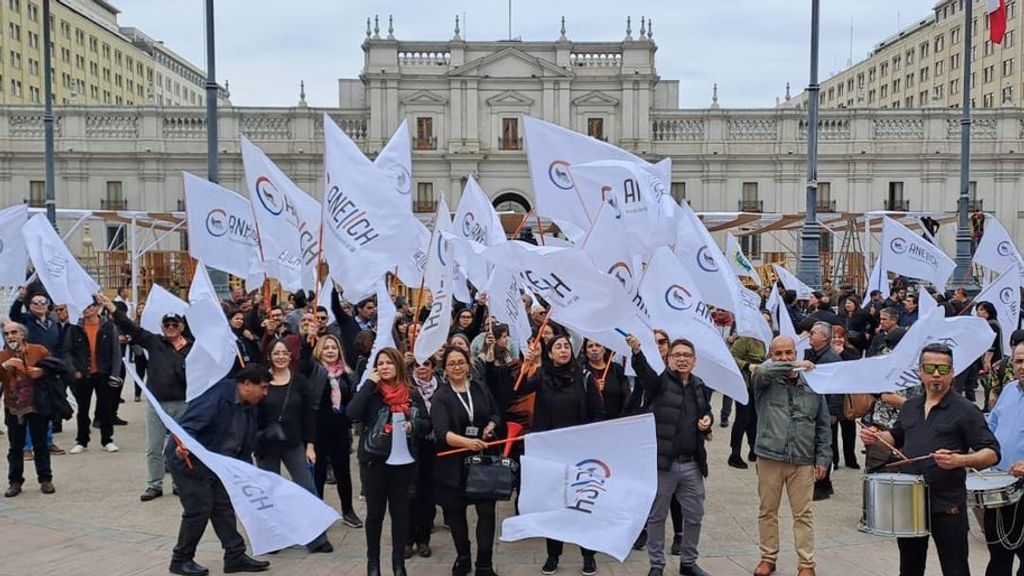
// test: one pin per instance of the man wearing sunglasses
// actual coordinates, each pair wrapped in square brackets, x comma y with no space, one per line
[952,430]
[165,379]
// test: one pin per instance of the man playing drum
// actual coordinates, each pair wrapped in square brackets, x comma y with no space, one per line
[1004,525]
[953,432]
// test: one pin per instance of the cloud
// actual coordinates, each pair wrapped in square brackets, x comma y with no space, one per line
[751,48]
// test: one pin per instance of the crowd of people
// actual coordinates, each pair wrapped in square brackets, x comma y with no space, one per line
[305,388]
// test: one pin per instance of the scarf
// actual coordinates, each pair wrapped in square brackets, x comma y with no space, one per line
[396,397]
[335,372]
[426,387]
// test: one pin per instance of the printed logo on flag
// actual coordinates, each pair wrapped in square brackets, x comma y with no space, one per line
[269,196]
[587,484]
[622,273]
[472,230]
[1006,295]
[898,245]
[1004,248]
[742,262]
[558,172]
[678,298]
[217,222]
[403,183]
[705,260]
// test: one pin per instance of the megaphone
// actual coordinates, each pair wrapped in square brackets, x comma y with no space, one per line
[399,445]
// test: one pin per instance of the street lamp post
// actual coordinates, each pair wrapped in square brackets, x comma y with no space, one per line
[962,274]
[51,203]
[809,267]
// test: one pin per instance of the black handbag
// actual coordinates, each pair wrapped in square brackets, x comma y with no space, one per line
[490,477]
[376,441]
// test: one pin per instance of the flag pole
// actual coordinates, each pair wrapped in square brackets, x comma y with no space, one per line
[522,223]
[540,228]
[533,345]
[488,444]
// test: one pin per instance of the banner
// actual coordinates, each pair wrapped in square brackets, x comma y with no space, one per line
[213,351]
[791,282]
[910,255]
[275,512]
[996,251]
[222,230]
[365,235]
[395,160]
[550,151]
[160,302]
[475,226]
[62,276]
[287,219]
[740,264]
[13,254]
[580,486]
[677,306]
[1004,294]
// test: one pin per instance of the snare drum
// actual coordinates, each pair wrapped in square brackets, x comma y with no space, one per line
[896,505]
[993,490]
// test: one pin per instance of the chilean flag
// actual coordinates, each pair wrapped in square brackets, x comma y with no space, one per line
[996,10]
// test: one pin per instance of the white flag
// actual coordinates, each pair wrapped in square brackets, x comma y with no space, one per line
[740,264]
[551,150]
[365,235]
[506,305]
[1004,294]
[910,255]
[677,306]
[996,251]
[275,512]
[434,331]
[580,486]
[159,303]
[784,324]
[62,276]
[476,226]
[396,161]
[386,314]
[288,221]
[13,255]
[878,280]
[214,351]
[791,282]
[222,229]
[440,251]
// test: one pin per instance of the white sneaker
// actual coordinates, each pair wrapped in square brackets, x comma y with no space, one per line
[111,447]
[77,449]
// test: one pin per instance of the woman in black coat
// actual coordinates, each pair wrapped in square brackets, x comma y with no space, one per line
[856,321]
[607,376]
[386,393]
[465,415]
[245,341]
[563,398]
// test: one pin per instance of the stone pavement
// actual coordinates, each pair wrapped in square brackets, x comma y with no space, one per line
[95,524]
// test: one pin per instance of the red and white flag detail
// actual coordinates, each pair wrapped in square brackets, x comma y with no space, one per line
[996,12]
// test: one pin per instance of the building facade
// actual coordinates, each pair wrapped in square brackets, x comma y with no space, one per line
[464,102]
[922,65]
[94,61]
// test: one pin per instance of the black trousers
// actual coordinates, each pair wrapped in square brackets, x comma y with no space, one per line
[422,508]
[555,548]
[35,426]
[203,499]
[455,508]
[745,424]
[950,534]
[387,490]
[106,396]
[333,448]
[1000,561]
[848,430]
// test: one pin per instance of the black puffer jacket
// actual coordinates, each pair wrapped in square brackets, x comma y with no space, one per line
[563,397]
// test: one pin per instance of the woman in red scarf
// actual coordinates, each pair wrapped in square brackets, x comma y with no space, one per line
[386,393]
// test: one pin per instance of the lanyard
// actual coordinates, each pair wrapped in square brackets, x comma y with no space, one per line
[469,406]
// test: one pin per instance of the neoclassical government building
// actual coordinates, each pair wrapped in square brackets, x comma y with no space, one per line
[464,102]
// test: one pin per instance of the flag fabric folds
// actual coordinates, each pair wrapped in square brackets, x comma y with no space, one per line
[791,282]
[159,303]
[740,264]
[395,159]
[13,255]
[62,276]
[214,351]
[222,229]
[475,226]
[1004,294]
[908,254]
[386,314]
[506,305]
[995,10]
[580,486]
[996,250]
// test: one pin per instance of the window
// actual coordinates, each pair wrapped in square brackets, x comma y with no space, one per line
[595,128]
[94,69]
[1007,94]
[896,85]
[909,81]
[15,60]
[14,5]
[1011,10]
[1008,40]
[922,98]
[860,81]
[424,133]
[33,40]
[36,194]
[748,199]
[954,62]
[79,36]
[33,12]
[895,201]
[825,202]
[116,240]
[424,197]
[940,44]
[896,60]
[14,31]
[926,49]
[884,69]
[678,190]
[940,67]
[990,48]
[910,56]
[986,100]
[16,87]
[871,74]
[954,86]
[938,92]
[509,139]
[839,90]
[114,199]
[954,36]
[871,96]
[988,74]
[33,67]
[884,91]
[908,102]
[1008,67]
[93,44]
[751,245]
[106,51]
[923,74]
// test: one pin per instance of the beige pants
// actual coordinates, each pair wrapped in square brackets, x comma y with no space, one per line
[798,481]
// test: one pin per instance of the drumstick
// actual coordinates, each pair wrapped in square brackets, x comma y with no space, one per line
[909,460]
[894,449]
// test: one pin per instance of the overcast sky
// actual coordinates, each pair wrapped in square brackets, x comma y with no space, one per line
[751,48]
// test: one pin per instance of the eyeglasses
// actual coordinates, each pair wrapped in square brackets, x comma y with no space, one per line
[682,355]
[172,324]
[321,318]
[941,369]
[40,302]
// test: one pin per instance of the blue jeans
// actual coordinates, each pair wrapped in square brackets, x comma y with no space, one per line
[49,438]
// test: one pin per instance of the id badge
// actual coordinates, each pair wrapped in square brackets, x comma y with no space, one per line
[472,431]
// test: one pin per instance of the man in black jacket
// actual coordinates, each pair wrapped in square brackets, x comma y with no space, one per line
[682,418]
[821,352]
[92,352]
[165,378]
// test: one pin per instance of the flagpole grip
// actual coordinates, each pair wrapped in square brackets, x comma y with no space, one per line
[488,444]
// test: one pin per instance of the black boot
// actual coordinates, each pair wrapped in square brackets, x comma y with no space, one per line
[373,568]
[462,566]
[399,567]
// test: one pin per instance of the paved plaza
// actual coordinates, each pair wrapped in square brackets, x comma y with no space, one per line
[95,525]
